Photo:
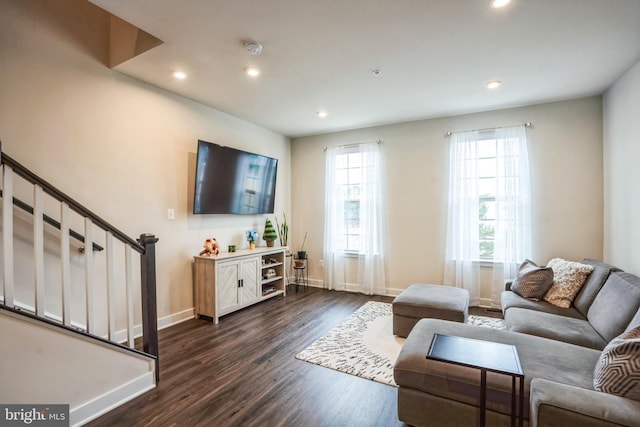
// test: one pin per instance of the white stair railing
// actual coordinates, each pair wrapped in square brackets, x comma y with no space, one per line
[116,270]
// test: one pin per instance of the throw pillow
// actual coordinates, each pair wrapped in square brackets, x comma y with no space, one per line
[532,280]
[568,278]
[618,368]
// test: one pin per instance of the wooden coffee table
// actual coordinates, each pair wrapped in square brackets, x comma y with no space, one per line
[488,357]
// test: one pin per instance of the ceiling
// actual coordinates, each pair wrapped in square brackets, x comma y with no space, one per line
[434,56]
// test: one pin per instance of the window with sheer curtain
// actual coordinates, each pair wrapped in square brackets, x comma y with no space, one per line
[489,209]
[354,218]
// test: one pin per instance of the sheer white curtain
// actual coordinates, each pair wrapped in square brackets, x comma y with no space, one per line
[462,269]
[512,226]
[513,233]
[354,239]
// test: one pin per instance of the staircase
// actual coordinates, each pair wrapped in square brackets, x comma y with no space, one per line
[78,300]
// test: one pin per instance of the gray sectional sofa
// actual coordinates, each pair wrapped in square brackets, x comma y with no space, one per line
[558,350]
[602,310]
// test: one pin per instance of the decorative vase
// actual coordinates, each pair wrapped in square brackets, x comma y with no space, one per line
[252,245]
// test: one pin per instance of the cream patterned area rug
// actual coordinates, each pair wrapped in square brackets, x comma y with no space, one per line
[364,344]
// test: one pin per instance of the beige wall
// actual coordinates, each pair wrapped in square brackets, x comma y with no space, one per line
[621,105]
[123,148]
[566,162]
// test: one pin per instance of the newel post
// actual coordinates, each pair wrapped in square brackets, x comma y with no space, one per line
[149,303]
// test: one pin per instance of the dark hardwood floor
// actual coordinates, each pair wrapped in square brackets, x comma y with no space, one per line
[243,371]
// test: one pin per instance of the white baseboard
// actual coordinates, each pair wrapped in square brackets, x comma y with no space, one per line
[391,292]
[175,318]
[121,335]
[112,399]
[163,322]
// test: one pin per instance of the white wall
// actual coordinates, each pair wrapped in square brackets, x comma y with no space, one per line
[124,149]
[621,112]
[43,365]
[566,162]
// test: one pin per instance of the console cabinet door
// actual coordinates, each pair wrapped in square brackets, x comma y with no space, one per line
[227,282]
[250,290]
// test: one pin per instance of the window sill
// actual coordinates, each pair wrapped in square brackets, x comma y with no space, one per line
[485,263]
[351,254]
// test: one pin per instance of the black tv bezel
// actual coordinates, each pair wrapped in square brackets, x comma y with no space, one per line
[195,179]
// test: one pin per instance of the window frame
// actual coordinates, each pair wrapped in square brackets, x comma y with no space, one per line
[349,199]
[484,136]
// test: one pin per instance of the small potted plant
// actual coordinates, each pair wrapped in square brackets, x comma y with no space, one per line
[252,236]
[269,234]
[302,254]
[283,230]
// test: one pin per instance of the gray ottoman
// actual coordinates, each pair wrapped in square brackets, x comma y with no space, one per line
[421,301]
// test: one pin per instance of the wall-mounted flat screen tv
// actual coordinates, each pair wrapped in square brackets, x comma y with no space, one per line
[231,181]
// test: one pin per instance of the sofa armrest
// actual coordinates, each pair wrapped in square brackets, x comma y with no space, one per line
[507,285]
[554,404]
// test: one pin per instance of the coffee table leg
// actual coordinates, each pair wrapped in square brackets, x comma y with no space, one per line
[521,401]
[513,401]
[483,396]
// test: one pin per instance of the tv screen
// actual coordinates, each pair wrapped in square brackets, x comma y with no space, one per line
[231,181]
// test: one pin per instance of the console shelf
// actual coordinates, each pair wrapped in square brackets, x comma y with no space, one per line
[233,280]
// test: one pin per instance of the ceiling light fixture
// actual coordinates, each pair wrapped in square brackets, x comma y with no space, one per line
[252,71]
[496,4]
[493,84]
[180,75]
[322,114]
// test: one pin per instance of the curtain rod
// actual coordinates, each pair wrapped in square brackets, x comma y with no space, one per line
[378,141]
[527,125]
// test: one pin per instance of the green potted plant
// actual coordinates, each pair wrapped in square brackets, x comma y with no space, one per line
[269,234]
[283,230]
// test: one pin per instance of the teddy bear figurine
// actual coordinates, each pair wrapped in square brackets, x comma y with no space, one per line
[211,247]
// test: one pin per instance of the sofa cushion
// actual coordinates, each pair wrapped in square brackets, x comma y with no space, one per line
[539,358]
[592,285]
[512,300]
[618,368]
[568,278]
[532,281]
[555,327]
[616,305]
[635,322]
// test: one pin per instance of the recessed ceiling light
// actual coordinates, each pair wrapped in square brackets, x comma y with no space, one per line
[252,71]
[180,75]
[499,3]
[493,84]
[322,114]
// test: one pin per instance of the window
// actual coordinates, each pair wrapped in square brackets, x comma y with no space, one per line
[354,218]
[489,216]
[489,194]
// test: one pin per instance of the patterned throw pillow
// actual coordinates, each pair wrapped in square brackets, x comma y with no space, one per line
[568,278]
[532,281]
[618,368]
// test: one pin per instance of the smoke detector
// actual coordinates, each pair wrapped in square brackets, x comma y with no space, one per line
[253,47]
